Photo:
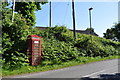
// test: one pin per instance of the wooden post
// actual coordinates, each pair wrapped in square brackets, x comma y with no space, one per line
[73,13]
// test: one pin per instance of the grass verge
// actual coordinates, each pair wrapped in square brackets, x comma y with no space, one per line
[41,68]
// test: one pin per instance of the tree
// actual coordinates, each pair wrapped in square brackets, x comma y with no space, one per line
[15,33]
[90,29]
[117,31]
[27,10]
[113,33]
[109,33]
[14,37]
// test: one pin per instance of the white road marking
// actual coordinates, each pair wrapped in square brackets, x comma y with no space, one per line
[94,73]
[98,72]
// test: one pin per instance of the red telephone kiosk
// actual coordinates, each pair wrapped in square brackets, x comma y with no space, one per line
[34,49]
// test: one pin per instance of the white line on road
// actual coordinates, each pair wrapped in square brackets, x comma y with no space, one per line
[98,72]
[94,73]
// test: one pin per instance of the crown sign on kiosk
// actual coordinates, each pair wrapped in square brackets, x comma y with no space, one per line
[34,49]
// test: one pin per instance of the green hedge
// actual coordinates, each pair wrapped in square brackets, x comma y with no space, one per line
[59,45]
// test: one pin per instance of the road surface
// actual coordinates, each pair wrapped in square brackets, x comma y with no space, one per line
[101,69]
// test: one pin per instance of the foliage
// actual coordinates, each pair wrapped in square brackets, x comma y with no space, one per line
[14,39]
[27,10]
[117,31]
[90,29]
[58,42]
[60,33]
[55,51]
[15,33]
[113,33]
[110,33]
[94,46]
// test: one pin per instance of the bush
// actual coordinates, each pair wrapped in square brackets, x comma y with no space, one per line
[14,40]
[55,51]
[59,45]
[95,46]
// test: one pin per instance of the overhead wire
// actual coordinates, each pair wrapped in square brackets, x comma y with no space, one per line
[54,8]
[64,21]
[46,12]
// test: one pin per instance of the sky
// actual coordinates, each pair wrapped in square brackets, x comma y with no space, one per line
[119,12]
[104,15]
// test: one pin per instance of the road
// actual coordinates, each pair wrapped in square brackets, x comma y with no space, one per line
[101,69]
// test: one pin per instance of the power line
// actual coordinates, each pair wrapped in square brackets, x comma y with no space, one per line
[66,13]
[45,12]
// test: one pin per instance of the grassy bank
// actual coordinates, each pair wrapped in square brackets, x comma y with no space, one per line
[42,68]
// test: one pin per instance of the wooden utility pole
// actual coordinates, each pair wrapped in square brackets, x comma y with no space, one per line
[73,13]
[50,23]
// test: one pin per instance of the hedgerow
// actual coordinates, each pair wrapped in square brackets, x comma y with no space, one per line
[59,45]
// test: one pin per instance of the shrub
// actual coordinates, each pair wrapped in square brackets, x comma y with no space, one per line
[56,51]
[59,45]
[95,46]
[14,40]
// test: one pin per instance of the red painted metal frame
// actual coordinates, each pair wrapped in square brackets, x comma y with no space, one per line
[31,45]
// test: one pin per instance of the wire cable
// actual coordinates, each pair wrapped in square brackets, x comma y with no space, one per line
[66,13]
